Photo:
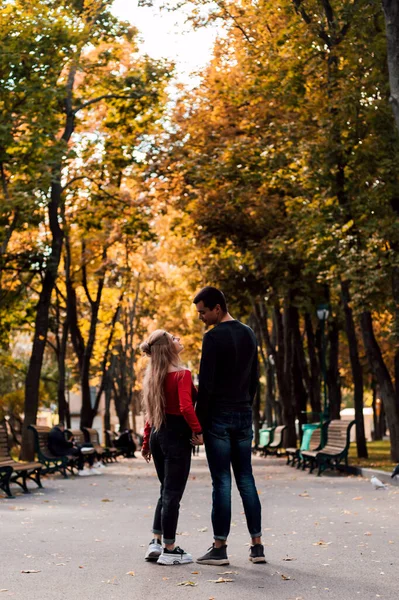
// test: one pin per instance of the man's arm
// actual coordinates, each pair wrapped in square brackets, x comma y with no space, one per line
[254,381]
[206,378]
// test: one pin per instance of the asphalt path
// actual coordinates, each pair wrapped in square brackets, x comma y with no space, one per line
[332,537]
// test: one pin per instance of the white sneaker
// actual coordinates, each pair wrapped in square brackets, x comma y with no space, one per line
[154,550]
[95,471]
[99,465]
[85,473]
[174,557]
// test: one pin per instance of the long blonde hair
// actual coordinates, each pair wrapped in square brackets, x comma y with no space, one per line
[162,352]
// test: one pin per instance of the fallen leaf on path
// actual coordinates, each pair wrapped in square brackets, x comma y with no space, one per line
[194,572]
[106,500]
[132,573]
[285,577]
[220,580]
[4,590]
[165,578]
[321,543]
[112,581]
[187,583]
[31,571]
[304,495]
[368,533]
[60,564]
[203,529]
[229,573]
[358,498]
[289,558]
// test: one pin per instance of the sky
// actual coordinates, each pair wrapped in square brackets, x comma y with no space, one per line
[165,35]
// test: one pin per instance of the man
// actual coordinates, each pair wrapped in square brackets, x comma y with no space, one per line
[227,385]
[60,446]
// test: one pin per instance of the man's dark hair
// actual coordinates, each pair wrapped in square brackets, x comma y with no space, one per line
[211,296]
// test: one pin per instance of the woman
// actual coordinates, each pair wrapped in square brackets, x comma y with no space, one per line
[171,427]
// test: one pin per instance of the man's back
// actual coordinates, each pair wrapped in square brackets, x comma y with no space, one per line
[57,443]
[228,373]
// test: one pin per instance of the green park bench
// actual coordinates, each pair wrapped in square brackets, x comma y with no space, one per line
[265,438]
[335,450]
[313,441]
[107,454]
[21,471]
[275,446]
[50,462]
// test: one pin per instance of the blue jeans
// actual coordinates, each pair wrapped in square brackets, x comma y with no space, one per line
[228,442]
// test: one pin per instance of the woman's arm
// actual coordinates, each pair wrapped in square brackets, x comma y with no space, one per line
[184,388]
[145,447]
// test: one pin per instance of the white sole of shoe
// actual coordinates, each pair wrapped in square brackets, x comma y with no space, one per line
[214,561]
[173,560]
[257,559]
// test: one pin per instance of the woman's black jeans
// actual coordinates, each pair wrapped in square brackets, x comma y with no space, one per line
[171,450]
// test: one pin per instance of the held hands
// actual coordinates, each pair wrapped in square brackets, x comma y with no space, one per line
[146,454]
[197,439]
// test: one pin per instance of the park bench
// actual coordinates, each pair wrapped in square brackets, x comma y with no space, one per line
[265,438]
[21,471]
[110,437]
[107,454]
[5,474]
[50,462]
[316,442]
[335,450]
[276,445]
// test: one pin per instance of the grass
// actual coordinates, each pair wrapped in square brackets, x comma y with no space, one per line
[379,456]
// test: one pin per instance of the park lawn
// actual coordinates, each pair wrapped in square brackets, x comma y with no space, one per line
[379,456]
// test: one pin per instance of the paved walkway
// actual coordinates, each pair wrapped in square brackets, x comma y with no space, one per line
[332,537]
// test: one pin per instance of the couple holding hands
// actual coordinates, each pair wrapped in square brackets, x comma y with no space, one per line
[222,420]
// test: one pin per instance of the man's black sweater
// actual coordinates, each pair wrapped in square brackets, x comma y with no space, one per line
[57,443]
[229,369]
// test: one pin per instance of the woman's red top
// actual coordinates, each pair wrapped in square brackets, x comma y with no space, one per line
[180,394]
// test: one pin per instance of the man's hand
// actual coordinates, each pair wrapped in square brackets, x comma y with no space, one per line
[197,439]
[146,454]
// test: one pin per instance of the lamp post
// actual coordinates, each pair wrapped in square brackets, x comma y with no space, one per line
[322,314]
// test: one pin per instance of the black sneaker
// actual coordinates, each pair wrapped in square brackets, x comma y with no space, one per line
[214,556]
[257,554]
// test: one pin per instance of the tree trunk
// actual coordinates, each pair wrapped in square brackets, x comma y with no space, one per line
[333,377]
[383,378]
[391,11]
[284,371]
[42,322]
[315,387]
[299,352]
[270,399]
[300,393]
[256,416]
[63,408]
[357,371]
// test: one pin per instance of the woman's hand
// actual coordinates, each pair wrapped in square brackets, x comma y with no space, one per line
[146,454]
[197,439]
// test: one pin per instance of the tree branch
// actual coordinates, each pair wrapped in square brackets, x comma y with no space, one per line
[105,97]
